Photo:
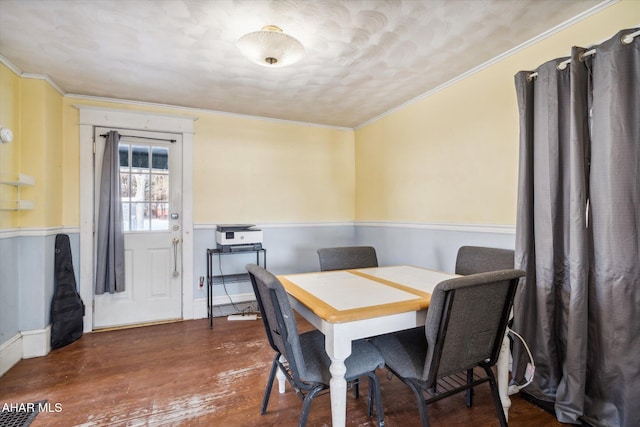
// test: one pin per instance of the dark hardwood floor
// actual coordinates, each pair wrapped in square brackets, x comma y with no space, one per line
[188,375]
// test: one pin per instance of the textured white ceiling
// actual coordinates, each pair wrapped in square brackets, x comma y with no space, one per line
[363,57]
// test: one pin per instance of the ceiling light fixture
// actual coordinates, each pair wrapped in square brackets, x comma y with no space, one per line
[271,47]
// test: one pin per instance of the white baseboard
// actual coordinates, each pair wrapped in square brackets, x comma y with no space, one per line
[10,353]
[200,304]
[36,343]
[199,308]
[24,345]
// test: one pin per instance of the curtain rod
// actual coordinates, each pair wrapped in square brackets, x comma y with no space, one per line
[104,135]
[627,39]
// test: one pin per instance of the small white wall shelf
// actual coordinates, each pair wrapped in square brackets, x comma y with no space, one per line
[21,180]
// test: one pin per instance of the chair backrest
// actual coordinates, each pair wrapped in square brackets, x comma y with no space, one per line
[466,322]
[480,259]
[278,318]
[347,257]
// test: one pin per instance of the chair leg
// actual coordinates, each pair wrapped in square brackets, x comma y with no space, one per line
[496,397]
[375,395]
[306,405]
[422,406]
[267,392]
[371,397]
[470,390]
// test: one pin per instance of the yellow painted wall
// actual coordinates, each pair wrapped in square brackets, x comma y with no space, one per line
[32,108]
[9,154]
[250,170]
[449,158]
[71,164]
[41,152]
[247,169]
[452,157]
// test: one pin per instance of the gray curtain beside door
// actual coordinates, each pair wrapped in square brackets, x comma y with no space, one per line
[578,233]
[109,236]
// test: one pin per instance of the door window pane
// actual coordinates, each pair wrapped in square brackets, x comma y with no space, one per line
[125,186]
[144,186]
[123,153]
[139,216]
[160,158]
[159,216]
[139,157]
[159,188]
[139,187]
[126,217]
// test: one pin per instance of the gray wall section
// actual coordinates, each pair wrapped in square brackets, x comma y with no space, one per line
[427,247]
[27,262]
[293,249]
[34,282]
[290,249]
[27,282]
[9,289]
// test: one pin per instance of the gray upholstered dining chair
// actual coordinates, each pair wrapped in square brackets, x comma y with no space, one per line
[305,362]
[480,259]
[347,257]
[465,325]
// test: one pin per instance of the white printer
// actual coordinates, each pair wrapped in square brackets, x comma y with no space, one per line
[238,237]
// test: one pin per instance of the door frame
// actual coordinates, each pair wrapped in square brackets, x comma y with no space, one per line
[91,116]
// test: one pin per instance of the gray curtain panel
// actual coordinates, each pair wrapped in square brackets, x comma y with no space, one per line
[578,233]
[109,237]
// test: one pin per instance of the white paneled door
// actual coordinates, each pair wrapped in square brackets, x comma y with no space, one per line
[151,188]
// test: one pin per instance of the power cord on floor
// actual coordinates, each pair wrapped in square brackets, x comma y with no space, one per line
[251,309]
[224,286]
[531,367]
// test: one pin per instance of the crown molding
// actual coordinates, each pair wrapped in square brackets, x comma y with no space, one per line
[10,65]
[199,111]
[17,71]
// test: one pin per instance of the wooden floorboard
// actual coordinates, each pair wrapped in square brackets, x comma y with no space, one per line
[184,374]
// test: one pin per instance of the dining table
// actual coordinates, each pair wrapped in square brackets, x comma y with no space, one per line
[347,305]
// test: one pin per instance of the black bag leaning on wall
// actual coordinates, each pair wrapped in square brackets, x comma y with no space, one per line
[67,308]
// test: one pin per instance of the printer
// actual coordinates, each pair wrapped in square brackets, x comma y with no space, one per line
[238,237]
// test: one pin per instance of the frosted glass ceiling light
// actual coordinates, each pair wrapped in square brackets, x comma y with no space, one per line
[270,47]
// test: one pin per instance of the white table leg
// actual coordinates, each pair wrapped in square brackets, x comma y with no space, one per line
[503,375]
[338,393]
[338,349]
[282,380]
